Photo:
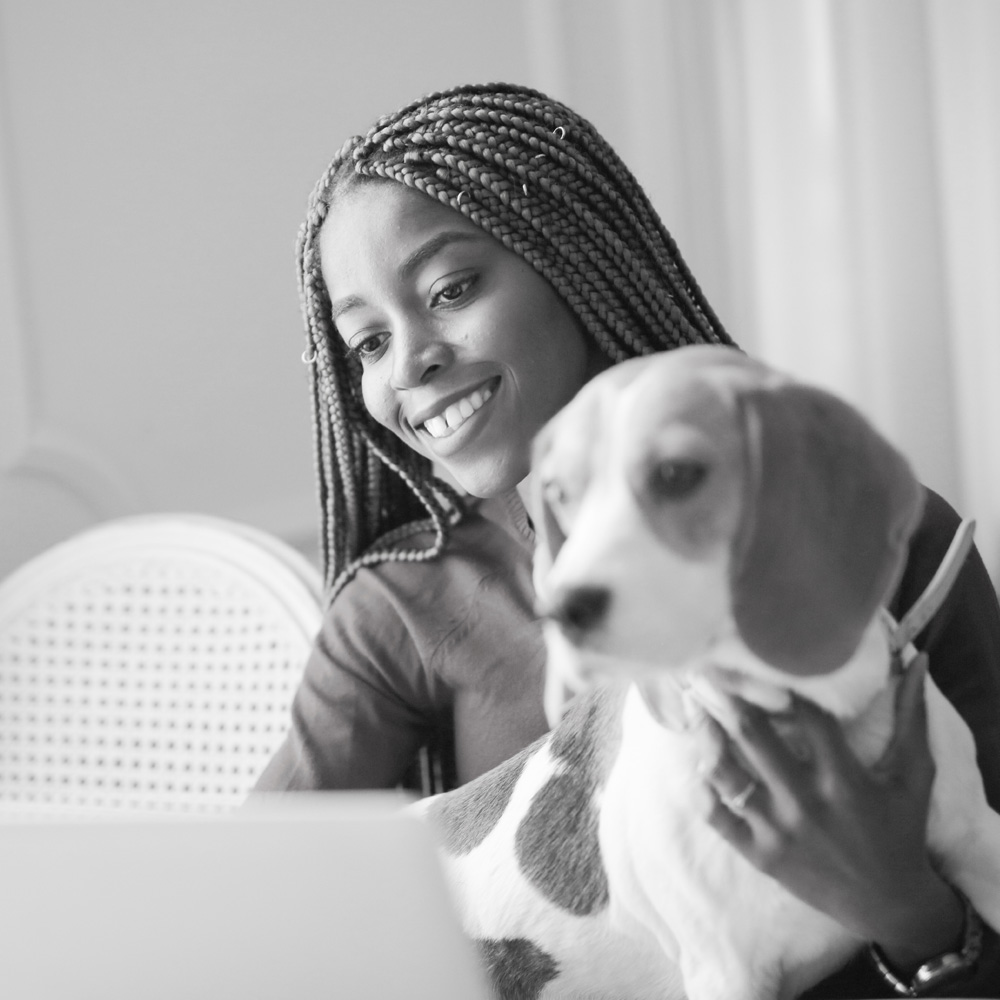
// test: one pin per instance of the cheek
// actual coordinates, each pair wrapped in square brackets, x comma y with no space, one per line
[380,402]
[548,338]
[375,394]
[570,358]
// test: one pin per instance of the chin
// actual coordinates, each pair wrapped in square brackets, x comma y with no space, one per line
[484,483]
[484,491]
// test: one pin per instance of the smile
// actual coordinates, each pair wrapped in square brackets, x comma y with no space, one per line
[446,423]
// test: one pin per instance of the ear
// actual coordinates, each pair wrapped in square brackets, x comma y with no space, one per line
[829,512]
[549,537]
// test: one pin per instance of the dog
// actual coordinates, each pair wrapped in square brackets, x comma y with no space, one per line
[694,509]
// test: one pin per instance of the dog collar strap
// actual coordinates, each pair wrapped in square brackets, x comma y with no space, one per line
[937,972]
[927,604]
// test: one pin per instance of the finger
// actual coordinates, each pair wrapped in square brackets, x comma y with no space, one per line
[720,766]
[823,735]
[765,751]
[729,825]
[911,704]
[909,742]
[714,678]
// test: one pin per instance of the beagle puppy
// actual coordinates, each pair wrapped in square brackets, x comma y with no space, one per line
[695,511]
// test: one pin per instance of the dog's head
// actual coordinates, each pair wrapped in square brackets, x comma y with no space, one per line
[690,493]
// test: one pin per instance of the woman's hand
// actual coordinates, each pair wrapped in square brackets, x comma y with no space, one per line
[849,840]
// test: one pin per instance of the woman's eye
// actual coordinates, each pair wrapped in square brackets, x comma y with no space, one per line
[450,290]
[369,347]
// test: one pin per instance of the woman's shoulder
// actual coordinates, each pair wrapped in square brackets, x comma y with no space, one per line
[927,547]
[972,596]
[938,524]
[487,549]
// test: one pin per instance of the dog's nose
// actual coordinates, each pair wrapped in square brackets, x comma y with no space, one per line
[579,608]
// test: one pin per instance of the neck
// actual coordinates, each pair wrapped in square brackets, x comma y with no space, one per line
[524,491]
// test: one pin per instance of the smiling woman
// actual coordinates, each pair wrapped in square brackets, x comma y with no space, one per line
[464,269]
[465,349]
[533,186]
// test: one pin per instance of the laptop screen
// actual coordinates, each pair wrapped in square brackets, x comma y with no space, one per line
[338,895]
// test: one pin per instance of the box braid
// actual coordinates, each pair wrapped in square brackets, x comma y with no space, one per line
[541,180]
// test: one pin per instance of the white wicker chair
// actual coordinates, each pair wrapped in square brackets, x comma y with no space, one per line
[149,663]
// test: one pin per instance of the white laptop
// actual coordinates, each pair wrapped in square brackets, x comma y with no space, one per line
[301,897]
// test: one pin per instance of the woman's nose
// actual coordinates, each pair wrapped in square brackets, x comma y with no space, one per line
[417,356]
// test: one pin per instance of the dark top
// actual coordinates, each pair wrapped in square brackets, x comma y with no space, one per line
[411,650]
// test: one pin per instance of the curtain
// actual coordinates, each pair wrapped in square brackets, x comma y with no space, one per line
[830,169]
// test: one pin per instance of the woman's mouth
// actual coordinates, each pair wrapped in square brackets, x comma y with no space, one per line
[449,421]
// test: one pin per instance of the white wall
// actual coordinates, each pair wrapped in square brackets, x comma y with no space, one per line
[827,166]
[155,160]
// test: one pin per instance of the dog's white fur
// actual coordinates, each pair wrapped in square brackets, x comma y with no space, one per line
[687,915]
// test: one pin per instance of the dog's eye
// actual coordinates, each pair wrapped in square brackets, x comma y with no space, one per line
[674,479]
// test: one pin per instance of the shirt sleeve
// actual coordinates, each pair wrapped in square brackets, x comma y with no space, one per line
[962,640]
[365,705]
[859,979]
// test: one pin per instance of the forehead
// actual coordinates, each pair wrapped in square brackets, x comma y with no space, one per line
[372,223]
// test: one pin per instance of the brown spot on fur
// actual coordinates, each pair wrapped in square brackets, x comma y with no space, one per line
[557,846]
[518,968]
[464,818]
[556,843]
[587,738]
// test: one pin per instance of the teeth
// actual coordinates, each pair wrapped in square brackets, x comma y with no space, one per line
[436,427]
[456,414]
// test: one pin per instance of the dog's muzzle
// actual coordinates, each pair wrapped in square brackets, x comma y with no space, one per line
[577,610]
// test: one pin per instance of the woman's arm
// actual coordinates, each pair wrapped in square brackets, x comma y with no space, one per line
[365,704]
[850,840]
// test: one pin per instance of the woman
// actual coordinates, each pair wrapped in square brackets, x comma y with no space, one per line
[464,269]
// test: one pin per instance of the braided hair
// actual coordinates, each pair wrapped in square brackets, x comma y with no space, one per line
[542,181]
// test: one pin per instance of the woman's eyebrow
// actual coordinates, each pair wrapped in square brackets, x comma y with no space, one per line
[425,251]
[410,264]
[341,306]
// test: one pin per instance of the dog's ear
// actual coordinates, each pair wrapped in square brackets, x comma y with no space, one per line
[549,535]
[828,515]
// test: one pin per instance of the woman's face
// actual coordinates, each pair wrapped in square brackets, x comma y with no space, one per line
[466,349]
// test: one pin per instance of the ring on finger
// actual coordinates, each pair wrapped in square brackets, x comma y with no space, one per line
[737,803]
